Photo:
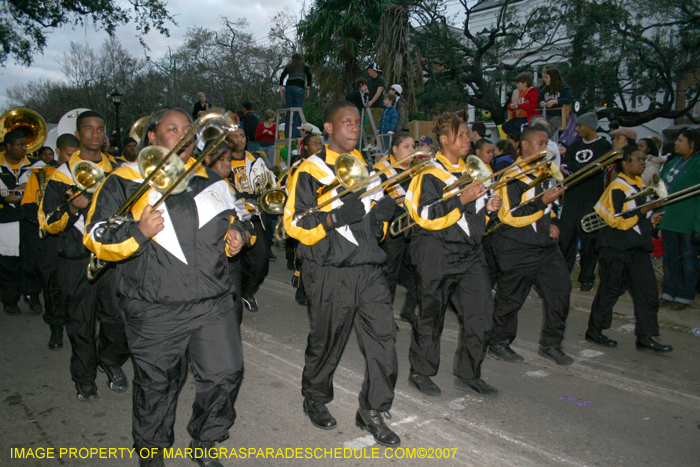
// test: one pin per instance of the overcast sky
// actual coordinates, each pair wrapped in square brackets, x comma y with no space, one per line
[187,13]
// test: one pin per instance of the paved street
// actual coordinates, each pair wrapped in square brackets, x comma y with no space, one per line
[613,407]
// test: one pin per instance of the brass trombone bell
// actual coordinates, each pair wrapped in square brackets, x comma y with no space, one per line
[87,176]
[350,170]
[136,130]
[149,159]
[273,201]
[29,122]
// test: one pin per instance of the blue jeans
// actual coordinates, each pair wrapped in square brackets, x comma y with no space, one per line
[295,98]
[269,148]
[253,146]
[680,267]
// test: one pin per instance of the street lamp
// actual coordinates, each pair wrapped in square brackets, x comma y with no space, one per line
[117,101]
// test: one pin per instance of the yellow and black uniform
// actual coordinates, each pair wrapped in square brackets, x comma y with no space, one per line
[398,263]
[345,280]
[446,252]
[527,255]
[39,258]
[11,220]
[84,301]
[624,249]
[175,291]
[254,258]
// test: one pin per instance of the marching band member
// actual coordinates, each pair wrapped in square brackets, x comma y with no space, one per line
[44,252]
[450,267]
[85,301]
[345,280]
[246,170]
[526,250]
[624,247]
[398,264]
[220,162]
[175,291]
[14,171]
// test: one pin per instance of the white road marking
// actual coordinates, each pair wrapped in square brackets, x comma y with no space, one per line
[589,353]
[537,374]
[359,443]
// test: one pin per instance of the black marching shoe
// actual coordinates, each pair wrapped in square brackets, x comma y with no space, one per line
[477,385]
[115,377]
[11,308]
[647,343]
[319,415]
[200,454]
[87,392]
[556,355]
[424,384]
[372,421]
[597,337]
[502,351]
[34,303]
[56,339]
[586,286]
[664,302]
[251,303]
[155,460]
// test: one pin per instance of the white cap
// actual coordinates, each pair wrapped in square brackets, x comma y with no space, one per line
[397,88]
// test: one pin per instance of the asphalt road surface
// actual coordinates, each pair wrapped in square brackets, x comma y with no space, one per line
[613,407]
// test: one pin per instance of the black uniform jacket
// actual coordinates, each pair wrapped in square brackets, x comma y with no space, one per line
[530,223]
[632,230]
[10,212]
[184,263]
[448,221]
[350,245]
[68,227]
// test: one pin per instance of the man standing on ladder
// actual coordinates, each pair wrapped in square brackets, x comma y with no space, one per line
[377,85]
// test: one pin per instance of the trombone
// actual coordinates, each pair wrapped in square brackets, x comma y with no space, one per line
[165,172]
[272,199]
[599,164]
[87,175]
[477,172]
[670,199]
[593,221]
[353,175]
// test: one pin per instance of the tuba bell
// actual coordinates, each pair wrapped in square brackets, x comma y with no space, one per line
[30,123]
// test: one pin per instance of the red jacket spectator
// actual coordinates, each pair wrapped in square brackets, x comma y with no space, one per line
[263,133]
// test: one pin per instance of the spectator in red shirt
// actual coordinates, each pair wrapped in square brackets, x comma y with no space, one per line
[265,134]
[524,104]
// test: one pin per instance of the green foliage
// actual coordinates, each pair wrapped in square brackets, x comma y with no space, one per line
[24,24]
[338,37]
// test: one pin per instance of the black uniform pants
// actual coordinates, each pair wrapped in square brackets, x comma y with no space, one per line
[10,283]
[234,266]
[521,266]
[570,233]
[467,288]
[86,303]
[29,254]
[54,303]
[339,298]
[399,269]
[633,268]
[491,264]
[162,338]
[255,261]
